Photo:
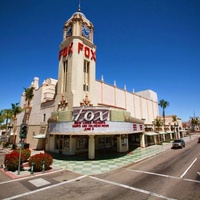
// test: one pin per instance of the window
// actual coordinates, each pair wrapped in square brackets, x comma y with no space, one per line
[86,71]
[108,141]
[82,143]
[104,142]
[44,117]
[65,69]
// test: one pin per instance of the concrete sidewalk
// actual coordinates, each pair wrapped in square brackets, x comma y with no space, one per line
[91,167]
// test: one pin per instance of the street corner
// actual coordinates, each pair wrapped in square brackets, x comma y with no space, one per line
[26,172]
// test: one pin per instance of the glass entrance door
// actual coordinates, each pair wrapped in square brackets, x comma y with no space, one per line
[59,143]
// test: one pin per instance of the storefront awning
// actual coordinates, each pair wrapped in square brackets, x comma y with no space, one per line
[151,133]
[182,130]
[161,133]
[39,136]
[148,126]
[170,132]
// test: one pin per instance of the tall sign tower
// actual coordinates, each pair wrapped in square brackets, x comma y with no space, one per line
[77,62]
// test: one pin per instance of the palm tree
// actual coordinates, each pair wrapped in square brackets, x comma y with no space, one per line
[174,119]
[16,109]
[28,95]
[163,104]
[1,118]
[7,115]
[158,123]
[28,92]
[194,122]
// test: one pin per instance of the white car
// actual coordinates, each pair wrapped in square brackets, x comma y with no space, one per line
[180,143]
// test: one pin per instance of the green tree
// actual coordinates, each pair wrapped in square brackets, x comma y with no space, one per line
[174,119]
[28,95]
[1,118]
[7,114]
[158,123]
[194,122]
[16,109]
[163,104]
[28,92]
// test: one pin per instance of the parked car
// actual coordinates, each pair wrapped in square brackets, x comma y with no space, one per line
[199,140]
[180,143]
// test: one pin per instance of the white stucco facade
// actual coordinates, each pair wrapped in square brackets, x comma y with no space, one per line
[53,121]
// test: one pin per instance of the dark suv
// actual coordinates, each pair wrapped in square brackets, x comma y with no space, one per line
[180,143]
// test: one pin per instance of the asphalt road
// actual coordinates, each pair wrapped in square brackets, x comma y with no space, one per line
[169,175]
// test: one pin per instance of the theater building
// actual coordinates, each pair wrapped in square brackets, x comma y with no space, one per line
[78,113]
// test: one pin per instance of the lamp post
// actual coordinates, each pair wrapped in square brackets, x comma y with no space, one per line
[20,155]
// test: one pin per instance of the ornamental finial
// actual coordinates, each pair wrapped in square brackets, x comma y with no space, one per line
[115,84]
[79,6]
[102,79]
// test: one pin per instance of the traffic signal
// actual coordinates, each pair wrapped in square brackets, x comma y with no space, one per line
[23,131]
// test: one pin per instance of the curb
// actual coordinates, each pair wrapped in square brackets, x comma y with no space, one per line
[26,173]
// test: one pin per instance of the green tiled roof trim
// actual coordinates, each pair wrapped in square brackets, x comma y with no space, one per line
[118,115]
[123,116]
[61,116]
[64,116]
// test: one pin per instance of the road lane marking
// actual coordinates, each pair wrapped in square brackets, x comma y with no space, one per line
[133,188]
[163,175]
[188,168]
[152,173]
[30,177]
[38,182]
[45,188]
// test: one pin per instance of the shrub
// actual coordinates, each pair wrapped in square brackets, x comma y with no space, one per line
[25,152]
[11,160]
[38,160]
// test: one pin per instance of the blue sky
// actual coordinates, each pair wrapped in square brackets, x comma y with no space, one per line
[143,44]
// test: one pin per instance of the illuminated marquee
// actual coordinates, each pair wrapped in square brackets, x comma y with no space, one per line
[88,52]
[89,114]
[90,118]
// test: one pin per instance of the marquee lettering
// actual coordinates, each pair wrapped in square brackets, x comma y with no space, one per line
[90,115]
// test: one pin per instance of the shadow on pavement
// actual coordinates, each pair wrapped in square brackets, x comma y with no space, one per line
[100,154]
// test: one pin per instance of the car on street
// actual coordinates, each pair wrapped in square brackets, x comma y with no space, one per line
[180,143]
[198,140]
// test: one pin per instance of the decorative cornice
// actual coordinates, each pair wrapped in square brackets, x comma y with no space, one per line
[86,101]
[62,104]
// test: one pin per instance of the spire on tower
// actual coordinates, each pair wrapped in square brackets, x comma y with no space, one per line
[79,6]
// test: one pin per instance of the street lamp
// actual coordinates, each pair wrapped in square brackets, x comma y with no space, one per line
[20,155]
